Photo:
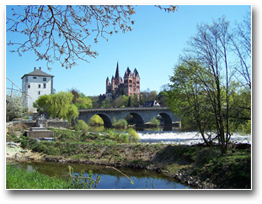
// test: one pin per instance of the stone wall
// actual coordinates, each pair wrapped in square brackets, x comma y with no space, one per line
[33,123]
[58,124]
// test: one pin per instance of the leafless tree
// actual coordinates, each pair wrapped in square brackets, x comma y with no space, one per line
[59,32]
[62,32]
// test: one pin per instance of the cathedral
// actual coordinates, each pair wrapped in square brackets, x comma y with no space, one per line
[130,86]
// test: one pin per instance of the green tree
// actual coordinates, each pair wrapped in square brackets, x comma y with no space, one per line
[58,105]
[188,97]
[41,104]
[106,103]
[129,104]
[212,48]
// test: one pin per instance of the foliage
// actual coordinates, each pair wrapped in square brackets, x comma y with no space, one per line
[106,103]
[154,122]
[189,99]
[114,121]
[83,180]
[80,100]
[57,105]
[133,136]
[201,92]
[122,123]
[81,126]
[96,120]
[14,107]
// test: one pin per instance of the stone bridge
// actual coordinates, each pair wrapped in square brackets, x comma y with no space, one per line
[142,115]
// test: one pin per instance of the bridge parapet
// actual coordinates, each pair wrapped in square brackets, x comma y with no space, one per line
[123,109]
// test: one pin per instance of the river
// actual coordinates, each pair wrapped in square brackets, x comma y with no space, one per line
[110,179]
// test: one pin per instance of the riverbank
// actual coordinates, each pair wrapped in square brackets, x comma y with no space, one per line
[198,166]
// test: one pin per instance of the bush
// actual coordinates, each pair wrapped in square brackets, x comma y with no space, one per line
[133,136]
[96,120]
[81,126]
[123,138]
[154,122]
[122,123]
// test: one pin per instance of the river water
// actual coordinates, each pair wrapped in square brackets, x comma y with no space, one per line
[110,179]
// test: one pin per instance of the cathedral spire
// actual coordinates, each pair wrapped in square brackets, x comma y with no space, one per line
[117,71]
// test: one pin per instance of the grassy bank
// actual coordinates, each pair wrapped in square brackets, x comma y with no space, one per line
[199,166]
[20,179]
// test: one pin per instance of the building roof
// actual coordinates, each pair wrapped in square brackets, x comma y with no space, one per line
[117,71]
[37,72]
[150,104]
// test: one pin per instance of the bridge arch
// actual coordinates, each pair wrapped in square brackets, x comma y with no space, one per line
[106,118]
[138,118]
[166,119]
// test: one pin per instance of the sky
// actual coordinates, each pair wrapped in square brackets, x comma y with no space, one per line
[153,48]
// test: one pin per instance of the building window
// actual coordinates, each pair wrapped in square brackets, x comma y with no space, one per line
[44,86]
[44,79]
[39,92]
[34,77]
[28,86]
[39,85]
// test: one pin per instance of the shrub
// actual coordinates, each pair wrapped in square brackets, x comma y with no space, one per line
[133,136]
[123,138]
[81,126]
[154,122]
[122,123]
[96,120]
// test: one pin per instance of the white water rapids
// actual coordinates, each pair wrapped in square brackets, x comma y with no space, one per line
[185,138]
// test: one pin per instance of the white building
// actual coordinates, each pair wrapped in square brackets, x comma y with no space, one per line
[35,84]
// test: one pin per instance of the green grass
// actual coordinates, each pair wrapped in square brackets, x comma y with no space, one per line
[20,179]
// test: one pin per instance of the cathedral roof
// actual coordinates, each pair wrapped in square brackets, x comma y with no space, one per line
[136,73]
[117,71]
[127,73]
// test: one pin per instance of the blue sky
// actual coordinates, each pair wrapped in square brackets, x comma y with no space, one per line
[153,48]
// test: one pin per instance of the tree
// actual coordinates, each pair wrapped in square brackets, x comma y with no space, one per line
[129,104]
[14,107]
[212,48]
[106,103]
[188,97]
[61,32]
[63,29]
[58,105]
[242,49]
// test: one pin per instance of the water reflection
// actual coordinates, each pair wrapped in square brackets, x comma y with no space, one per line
[110,179]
